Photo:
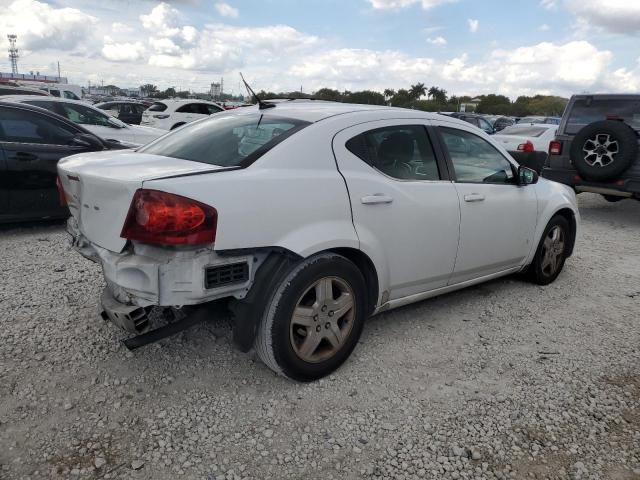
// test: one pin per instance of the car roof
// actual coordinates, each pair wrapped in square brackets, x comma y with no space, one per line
[42,111]
[20,98]
[316,110]
[182,100]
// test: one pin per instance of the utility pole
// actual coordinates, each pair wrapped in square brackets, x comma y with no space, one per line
[59,76]
[13,53]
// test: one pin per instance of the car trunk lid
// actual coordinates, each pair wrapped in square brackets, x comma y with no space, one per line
[99,188]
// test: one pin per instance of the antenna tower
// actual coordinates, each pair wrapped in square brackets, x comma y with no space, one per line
[13,53]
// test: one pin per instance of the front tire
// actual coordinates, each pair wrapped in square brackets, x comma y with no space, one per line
[552,252]
[314,318]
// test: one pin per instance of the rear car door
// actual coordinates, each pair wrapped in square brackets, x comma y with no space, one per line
[405,209]
[189,112]
[4,181]
[33,143]
[497,217]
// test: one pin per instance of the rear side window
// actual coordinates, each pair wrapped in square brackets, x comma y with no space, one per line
[158,107]
[55,93]
[21,126]
[192,108]
[586,111]
[226,140]
[401,152]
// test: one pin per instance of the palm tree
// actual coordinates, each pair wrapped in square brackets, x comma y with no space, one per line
[433,91]
[418,90]
[389,92]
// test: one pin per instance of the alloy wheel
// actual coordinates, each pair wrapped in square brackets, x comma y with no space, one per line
[322,319]
[553,251]
[600,150]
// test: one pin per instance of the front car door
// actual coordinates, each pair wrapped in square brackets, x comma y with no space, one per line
[405,210]
[33,144]
[497,217]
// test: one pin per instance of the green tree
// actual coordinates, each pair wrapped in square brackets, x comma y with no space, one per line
[389,92]
[329,94]
[493,104]
[418,90]
[368,97]
[148,89]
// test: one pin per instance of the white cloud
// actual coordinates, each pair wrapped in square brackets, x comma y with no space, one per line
[618,16]
[473,25]
[122,52]
[549,4]
[121,28]
[438,41]
[226,10]
[399,4]
[544,27]
[41,26]
[162,20]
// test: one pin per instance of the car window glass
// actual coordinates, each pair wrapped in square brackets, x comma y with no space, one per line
[586,111]
[29,127]
[140,109]
[70,95]
[55,93]
[42,104]
[190,108]
[211,109]
[225,140]
[531,131]
[84,115]
[474,159]
[158,107]
[402,152]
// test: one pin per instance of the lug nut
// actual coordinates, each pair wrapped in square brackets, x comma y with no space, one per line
[331,313]
[318,328]
[315,318]
[327,325]
[324,308]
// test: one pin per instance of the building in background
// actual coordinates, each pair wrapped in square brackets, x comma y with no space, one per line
[217,89]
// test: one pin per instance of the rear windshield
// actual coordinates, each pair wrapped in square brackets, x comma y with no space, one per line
[586,111]
[227,140]
[158,107]
[524,131]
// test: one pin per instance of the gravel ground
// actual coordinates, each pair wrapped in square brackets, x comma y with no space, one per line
[504,380]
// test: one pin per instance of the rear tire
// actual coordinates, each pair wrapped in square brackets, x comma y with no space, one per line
[552,252]
[613,198]
[314,318]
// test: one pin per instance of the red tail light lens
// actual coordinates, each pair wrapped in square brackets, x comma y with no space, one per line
[555,148]
[62,196]
[526,147]
[168,219]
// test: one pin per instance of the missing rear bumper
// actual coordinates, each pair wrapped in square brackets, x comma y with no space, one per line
[131,318]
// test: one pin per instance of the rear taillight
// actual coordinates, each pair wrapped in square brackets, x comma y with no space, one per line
[62,196]
[526,147]
[168,219]
[555,148]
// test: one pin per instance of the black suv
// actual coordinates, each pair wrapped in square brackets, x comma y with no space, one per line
[596,147]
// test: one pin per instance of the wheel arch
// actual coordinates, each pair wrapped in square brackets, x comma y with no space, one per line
[368,270]
[570,216]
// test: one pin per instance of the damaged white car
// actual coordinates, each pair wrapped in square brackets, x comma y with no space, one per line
[304,218]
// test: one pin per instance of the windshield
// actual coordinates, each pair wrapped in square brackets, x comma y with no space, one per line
[524,131]
[586,111]
[226,140]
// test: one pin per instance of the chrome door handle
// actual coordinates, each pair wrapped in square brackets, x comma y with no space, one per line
[376,198]
[474,197]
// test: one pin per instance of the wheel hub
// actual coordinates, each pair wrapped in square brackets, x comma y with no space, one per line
[322,319]
[553,251]
[600,150]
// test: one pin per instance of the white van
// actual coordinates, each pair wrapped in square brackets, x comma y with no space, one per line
[63,90]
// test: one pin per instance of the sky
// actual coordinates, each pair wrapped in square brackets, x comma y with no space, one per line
[510,47]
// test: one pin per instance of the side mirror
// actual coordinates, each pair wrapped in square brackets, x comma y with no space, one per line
[85,141]
[527,176]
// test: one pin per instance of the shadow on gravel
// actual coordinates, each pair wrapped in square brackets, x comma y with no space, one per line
[625,212]
[41,226]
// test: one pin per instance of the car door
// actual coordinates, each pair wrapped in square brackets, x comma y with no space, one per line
[128,114]
[33,143]
[405,209]
[189,112]
[4,181]
[497,217]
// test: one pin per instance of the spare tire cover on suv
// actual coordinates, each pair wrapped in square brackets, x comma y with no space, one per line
[604,150]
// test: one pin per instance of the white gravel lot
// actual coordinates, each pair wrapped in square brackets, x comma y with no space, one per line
[504,380]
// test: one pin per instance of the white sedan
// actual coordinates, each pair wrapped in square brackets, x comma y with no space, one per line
[305,218]
[531,137]
[93,119]
[176,112]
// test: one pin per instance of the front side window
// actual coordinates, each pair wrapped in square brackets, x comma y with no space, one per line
[70,95]
[226,140]
[84,115]
[20,126]
[401,152]
[474,159]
